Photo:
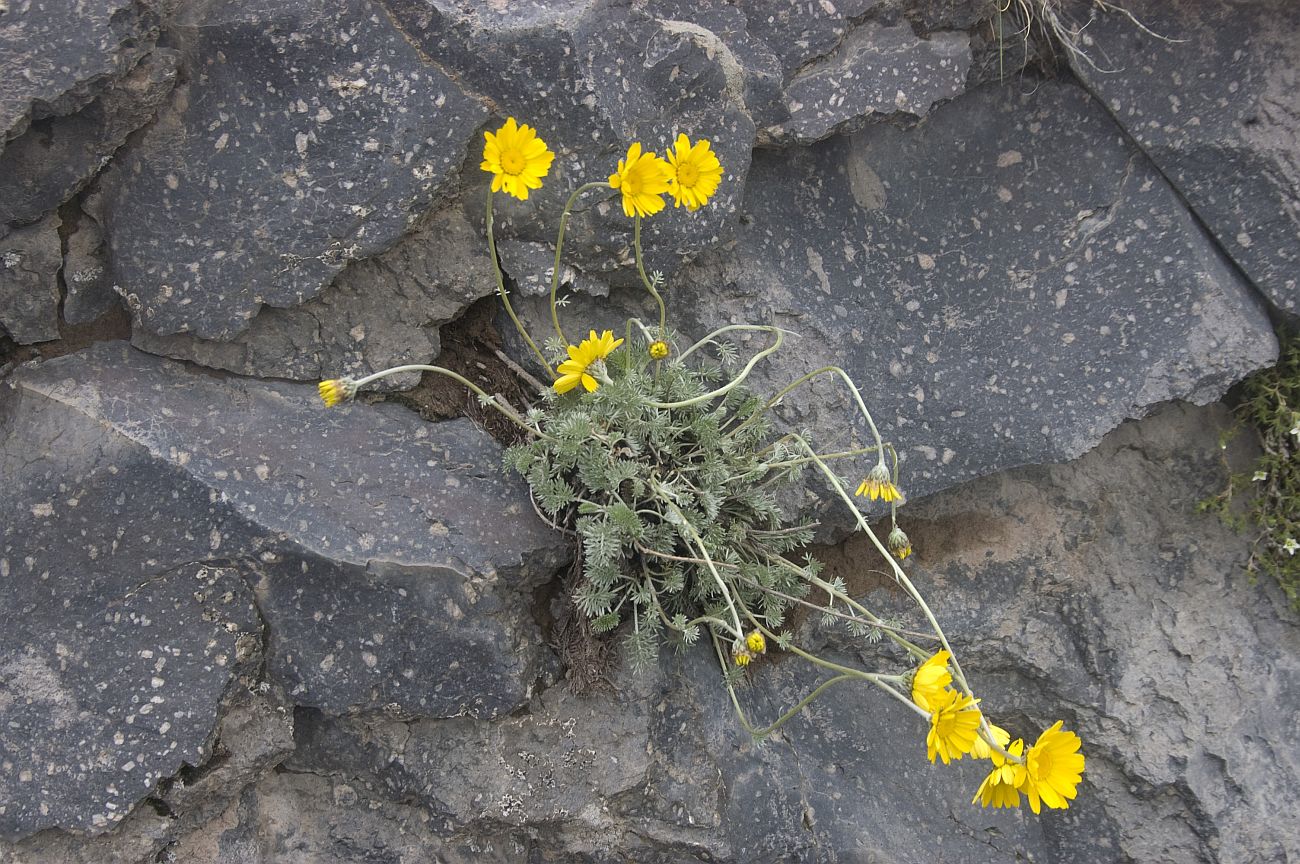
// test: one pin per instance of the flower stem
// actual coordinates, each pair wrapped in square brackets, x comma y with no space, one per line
[559,247]
[735,382]
[501,289]
[489,399]
[649,286]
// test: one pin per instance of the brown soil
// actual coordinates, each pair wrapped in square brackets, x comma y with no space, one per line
[471,347]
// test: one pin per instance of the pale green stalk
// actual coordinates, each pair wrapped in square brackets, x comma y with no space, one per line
[491,400]
[649,286]
[735,382]
[501,289]
[559,246]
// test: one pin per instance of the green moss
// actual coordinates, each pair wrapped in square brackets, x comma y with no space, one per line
[1270,489]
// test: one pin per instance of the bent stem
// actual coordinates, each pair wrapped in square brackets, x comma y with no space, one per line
[645,280]
[501,289]
[559,247]
[735,382]
[487,398]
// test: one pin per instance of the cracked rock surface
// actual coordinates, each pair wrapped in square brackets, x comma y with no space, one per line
[1218,111]
[1089,592]
[115,525]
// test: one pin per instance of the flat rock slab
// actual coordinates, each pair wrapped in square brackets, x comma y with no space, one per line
[371,541]
[1218,111]
[304,138]
[1007,282]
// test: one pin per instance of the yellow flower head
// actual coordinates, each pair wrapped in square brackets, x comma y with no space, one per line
[898,543]
[930,683]
[1001,787]
[1053,769]
[694,173]
[982,750]
[742,657]
[516,158]
[643,179]
[878,485]
[953,724]
[658,349]
[336,390]
[756,643]
[574,370]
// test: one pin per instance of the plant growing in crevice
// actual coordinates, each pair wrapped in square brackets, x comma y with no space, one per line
[1270,408]
[655,454]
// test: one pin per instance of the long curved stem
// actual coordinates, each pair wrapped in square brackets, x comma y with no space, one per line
[488,398]
[501,289]
[735,382]
[645,280]
[559,247]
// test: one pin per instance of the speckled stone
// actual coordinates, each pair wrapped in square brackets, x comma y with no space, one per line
[1089,592]
[377,313]
[30,260]
[593,76]
[305,137]
[1218,111]
[47,165]
[1007,282]
[874,70]
[56,55]
[392,562]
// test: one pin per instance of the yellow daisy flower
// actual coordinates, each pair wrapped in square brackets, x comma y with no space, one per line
[756,643]
[574,370]
[982,750]
[878,485]
[1053,769]
[658,349]
[694,173]
[643,179]
[953,725]
[516,158]
[336,390]
[1001,787]
[930,683]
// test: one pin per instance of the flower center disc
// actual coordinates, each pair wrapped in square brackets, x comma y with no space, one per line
[512,162]
[688,174]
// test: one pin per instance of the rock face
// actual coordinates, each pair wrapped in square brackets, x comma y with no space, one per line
[1218,111]
[303,139]
[30,260]
[1089,592]
[134,553]
[1010,309]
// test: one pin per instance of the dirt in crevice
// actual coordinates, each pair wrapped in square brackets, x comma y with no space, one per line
[590,660]
[471,347]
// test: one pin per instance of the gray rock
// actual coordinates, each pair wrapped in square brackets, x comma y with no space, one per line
[1218,111]
[55,56]
[158,472]
[30,260]
[1008,308]
[57,157]
[874,70]
[800,32]
[85,275]
[380,312]
[1090,592]
[303,139]
[592,76]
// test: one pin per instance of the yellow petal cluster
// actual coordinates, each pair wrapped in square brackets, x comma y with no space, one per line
[694,173]
[516,158]
[931,680]
[954,724]
[643,179]
[878,485]
[658,349]
[336,390]
[574,370]
[1001,787]
[1053,769]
